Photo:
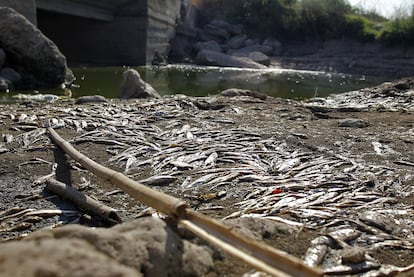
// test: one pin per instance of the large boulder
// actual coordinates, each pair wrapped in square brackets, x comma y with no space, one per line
[230,28]
[146,246]
[133,86]
[237,42]
[211,32]
[2,57]
[258,57]
[207,45]
[207,57]
[11,75]
[38,55]
[275,44]
[265,49]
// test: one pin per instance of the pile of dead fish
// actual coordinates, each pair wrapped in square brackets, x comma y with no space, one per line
[171,143]
[391,99]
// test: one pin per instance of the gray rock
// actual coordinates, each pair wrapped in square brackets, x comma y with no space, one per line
[133,86]
[234,92]
[217,32]
[275,44]
[208,45]
[236,42]
[91,99]
[58,257]
[267,50]
[256,56]
[10,74]
[352,255]
[37,54]
[147,245]
[230,28]
[251,41]
[353,123]
[2,57]
[4,85]
[207,57]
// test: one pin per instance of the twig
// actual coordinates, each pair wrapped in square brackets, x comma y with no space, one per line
[83,201]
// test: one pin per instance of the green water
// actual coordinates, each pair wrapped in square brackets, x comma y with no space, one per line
[202,81]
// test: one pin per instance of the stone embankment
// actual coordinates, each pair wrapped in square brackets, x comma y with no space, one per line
[219,43]
[27,57]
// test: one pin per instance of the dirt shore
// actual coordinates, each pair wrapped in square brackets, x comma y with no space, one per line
[363,147]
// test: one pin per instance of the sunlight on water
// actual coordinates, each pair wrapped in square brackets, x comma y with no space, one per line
[203,81]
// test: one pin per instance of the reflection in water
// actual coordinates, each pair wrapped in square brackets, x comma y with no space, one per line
[202,81]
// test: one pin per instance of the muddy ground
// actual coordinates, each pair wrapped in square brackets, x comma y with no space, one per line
[307,128]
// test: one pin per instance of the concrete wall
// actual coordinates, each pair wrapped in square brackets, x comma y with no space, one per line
[25,7]
[163,16]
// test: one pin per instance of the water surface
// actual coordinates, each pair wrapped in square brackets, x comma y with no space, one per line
[203,81]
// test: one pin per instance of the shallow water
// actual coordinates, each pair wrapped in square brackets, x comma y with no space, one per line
[203,81]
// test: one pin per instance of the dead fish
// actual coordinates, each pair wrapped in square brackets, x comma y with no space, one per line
[315,254]
[378,220]
[181,165]
[211,160]
[161,180]
[202,180]
[17,228]
[51,212]
[351,269]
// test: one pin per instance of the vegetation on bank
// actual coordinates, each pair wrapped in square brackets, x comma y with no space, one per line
[322,19]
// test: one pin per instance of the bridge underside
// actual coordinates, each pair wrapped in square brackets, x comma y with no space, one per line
[104,32]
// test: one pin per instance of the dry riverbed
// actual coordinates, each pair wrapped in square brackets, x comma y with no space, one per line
[330,181]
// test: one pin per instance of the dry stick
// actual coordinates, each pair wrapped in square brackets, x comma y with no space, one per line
[258,255]
[83,201]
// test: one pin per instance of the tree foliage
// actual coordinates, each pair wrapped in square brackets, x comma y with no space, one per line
[321,19]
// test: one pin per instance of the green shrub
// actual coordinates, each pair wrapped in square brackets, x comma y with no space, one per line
[261,17]
[360,28]
[399,31]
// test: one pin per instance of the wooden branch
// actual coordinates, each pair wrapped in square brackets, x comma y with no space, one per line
[256,254]
[259,253]
[83,201]
[164,203]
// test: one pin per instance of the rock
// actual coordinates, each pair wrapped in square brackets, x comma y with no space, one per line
[11,75]
[353,123]
[230,28]
[258,57]
[208,45]
[2,57]
[352,255]
[4,85]
[219,33]
[147,245]
[207,57]
[267,50]
[209,104]
[250,42]
[275,44]
[133,86]
[38,55]
[91,99]
[260,228]
[236,42]
[58,257]
[159,59]
[233,92]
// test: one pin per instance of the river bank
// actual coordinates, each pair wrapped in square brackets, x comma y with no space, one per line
[309,177]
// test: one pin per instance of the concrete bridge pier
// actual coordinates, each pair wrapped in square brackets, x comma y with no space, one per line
[104,32]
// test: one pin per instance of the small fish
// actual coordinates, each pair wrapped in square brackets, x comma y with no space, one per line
[161,180]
